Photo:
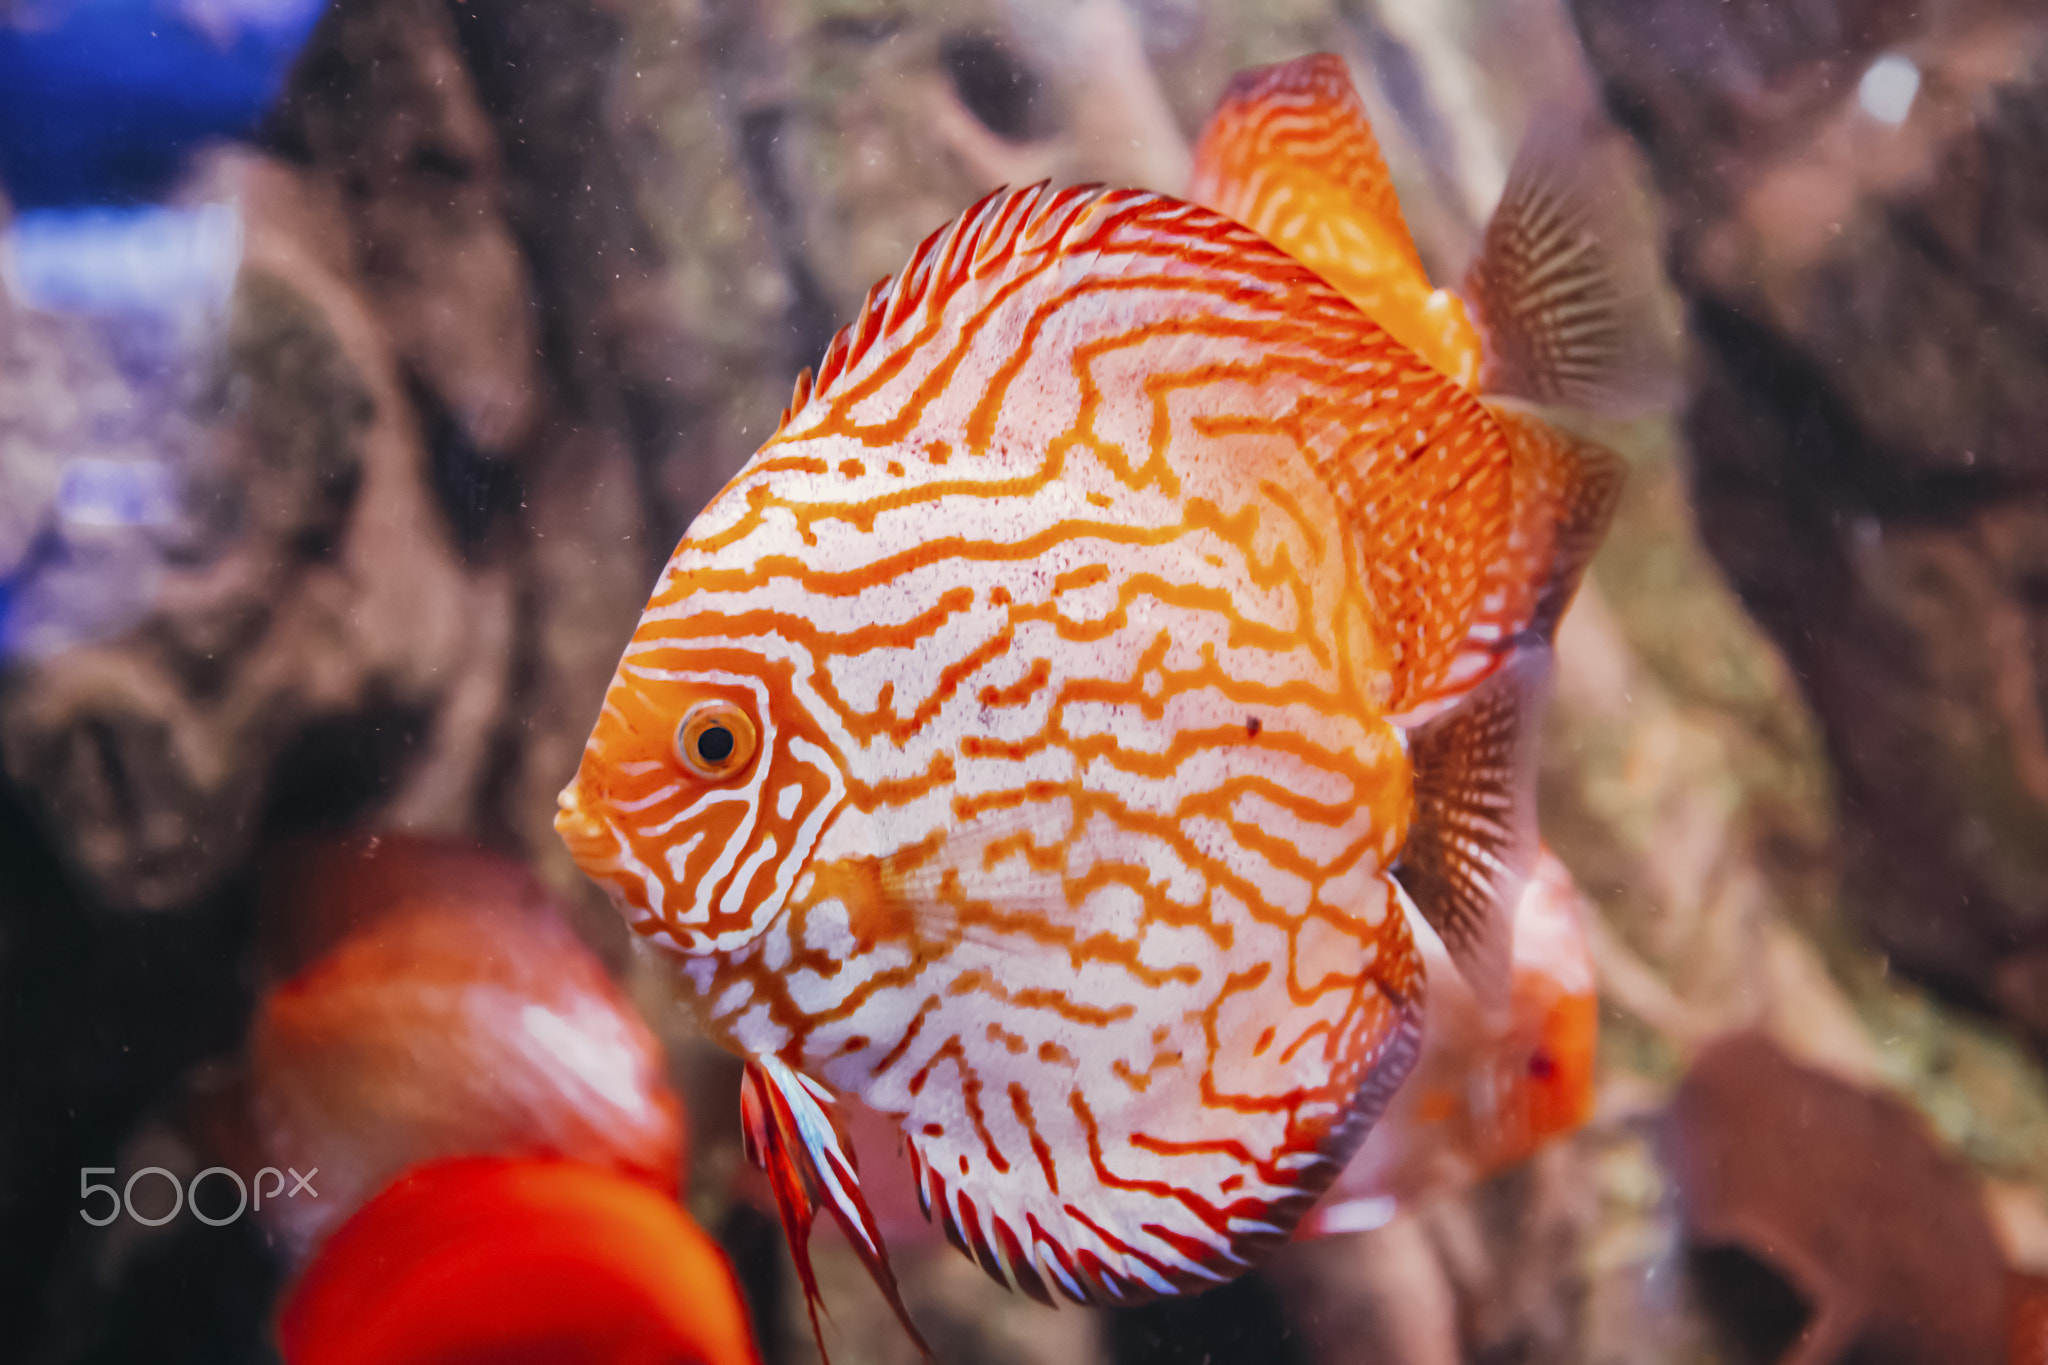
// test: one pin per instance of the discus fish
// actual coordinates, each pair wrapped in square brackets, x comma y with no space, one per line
[1025,740]
[507,1259]
[440,1007]
[1487,1092]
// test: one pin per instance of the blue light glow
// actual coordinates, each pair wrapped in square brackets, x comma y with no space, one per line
[100,100]
[116,260]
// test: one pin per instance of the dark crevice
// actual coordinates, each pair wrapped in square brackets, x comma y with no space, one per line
[1400,78]
[569,200]
[1834,470]
[995,86]
[810,320]
[753,1242]
[1240,1323]
[108,1013]
[1756,1311]
[336,770]
[477,490]
[862,28]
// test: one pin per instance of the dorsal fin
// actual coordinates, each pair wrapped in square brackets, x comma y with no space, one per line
[1559,321]
[1290,140]
[793,1140]
[1472,843]
[1290,153]
[1419,467]
[1003,230]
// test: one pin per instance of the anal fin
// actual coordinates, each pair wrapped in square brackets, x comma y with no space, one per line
[1472,843]
[792,1138]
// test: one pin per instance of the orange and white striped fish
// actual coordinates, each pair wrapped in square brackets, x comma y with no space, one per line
[1026,740]
[1490,1088]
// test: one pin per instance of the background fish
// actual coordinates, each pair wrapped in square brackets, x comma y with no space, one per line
[440,1008]
[1489,1088]
[517,1259]
[1012,743]
[494,1152]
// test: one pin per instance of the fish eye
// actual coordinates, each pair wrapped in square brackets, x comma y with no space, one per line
[715,740]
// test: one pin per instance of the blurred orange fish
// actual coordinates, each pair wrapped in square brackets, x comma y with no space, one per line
[1045,736]
[507,1260]
[447,1041]
[1488,1090]
[448,1012]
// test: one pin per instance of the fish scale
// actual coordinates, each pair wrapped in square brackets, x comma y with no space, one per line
[1098,902]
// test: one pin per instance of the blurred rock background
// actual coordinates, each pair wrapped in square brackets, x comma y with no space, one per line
[353,543]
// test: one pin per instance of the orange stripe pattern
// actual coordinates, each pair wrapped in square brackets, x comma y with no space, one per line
[1290,153]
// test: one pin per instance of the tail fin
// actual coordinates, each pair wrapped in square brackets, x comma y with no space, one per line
[1473,841]
[1472,844]
[1561,320]
[1565,492]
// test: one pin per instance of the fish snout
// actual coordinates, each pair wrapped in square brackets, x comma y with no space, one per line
[582,829]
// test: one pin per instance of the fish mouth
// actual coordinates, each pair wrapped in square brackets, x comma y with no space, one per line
[588,837]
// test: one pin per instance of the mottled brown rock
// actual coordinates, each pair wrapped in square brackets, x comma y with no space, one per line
[409,540]
[1845,1194]
[1871,384]
[309,604]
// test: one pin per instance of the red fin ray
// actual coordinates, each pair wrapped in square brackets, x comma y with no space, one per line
[792,1138]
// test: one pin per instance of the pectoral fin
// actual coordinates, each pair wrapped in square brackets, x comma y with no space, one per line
[1472,843]
[791,1137]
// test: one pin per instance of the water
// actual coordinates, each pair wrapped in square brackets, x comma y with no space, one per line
[336,461]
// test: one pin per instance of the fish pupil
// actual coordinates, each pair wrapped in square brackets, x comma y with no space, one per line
[714,744]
